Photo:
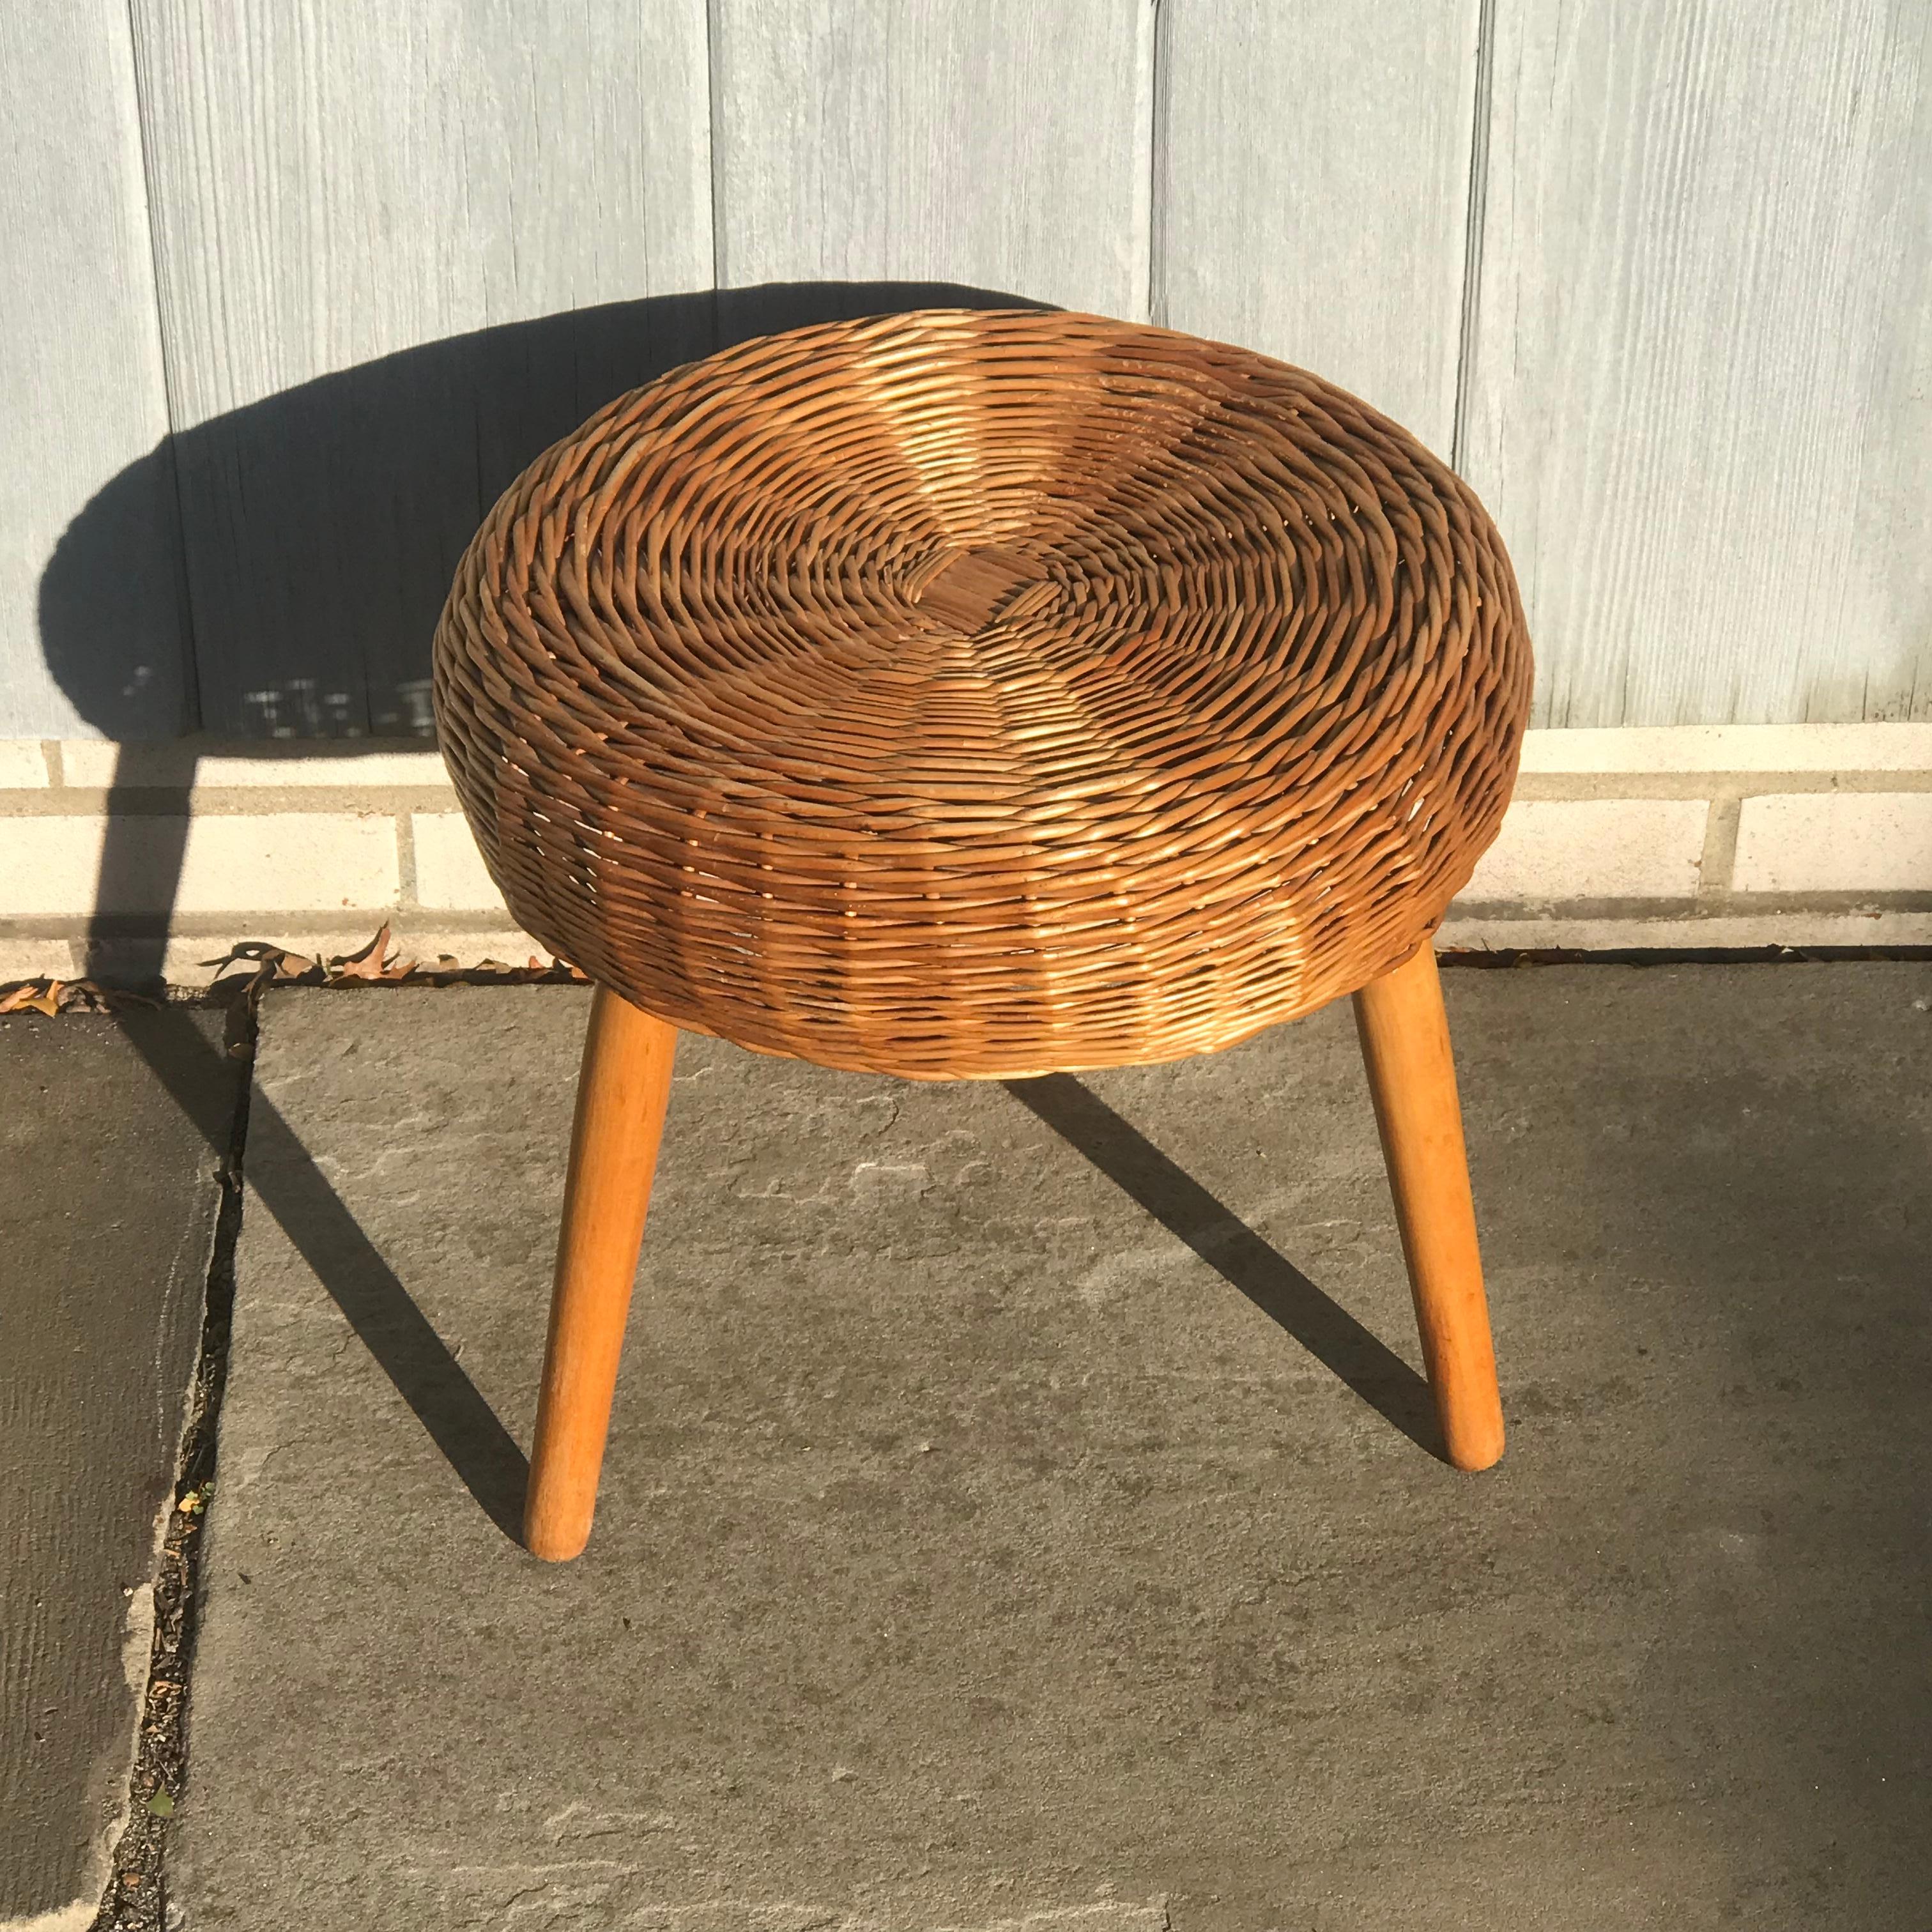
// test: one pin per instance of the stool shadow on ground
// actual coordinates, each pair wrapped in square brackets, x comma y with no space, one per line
[283,1181]
[1349,1351]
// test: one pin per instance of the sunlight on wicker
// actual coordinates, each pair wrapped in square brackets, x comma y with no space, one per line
[971,693]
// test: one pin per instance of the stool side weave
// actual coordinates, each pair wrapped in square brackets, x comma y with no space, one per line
[976,694]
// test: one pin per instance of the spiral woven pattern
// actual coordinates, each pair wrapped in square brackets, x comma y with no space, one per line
[983,693]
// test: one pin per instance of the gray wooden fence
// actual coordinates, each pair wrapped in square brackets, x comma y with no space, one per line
[289,288]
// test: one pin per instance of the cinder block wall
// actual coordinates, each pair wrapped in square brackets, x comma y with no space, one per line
[115,860]
[233,500]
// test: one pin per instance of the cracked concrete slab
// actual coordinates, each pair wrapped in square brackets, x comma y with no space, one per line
[1019,1501]
[107,1213]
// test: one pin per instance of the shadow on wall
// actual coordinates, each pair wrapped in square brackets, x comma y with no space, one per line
[319,529]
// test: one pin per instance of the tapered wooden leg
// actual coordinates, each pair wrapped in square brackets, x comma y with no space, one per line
[1406,1041]
[621,1097]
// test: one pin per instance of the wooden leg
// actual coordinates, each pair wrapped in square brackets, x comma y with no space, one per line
[621,1097]
[1406,1043]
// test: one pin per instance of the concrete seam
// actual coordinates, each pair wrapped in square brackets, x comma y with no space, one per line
[406,900]
[1688,911]
[1721,847]
[161,1747]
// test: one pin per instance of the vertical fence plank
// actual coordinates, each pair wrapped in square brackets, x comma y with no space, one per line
[1312,183]
[997,144]
[91,636]
[382,235]
[1698,403]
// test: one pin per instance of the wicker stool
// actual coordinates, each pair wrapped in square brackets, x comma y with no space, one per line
[958,695]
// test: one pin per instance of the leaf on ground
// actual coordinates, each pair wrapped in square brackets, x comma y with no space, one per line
[366,965]
[86,996]
[39,996]
[51,996]
[374,961]
[269,961]
[162,1804]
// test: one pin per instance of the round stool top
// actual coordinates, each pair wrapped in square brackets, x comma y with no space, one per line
[971,693]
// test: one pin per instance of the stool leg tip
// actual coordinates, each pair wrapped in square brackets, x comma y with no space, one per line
[553,1538]
[1476,1449]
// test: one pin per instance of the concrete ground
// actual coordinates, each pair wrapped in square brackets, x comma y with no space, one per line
[1019,1506]
[109,1191]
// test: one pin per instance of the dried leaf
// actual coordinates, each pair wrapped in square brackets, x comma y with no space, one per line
[40,996]
[89,996]
[366,965]
[244,952]
[270,961]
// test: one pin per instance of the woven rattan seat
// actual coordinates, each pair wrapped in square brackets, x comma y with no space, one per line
[971,694]
[968,694]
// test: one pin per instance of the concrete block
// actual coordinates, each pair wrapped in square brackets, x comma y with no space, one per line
[106,1216]
[295,862]
[1731,748]
[422,940]
[1043,1529]
[35,959]
[1692,930]
[1835,842]
[23,764]
[1550,851]
[450,872]
[211,765]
